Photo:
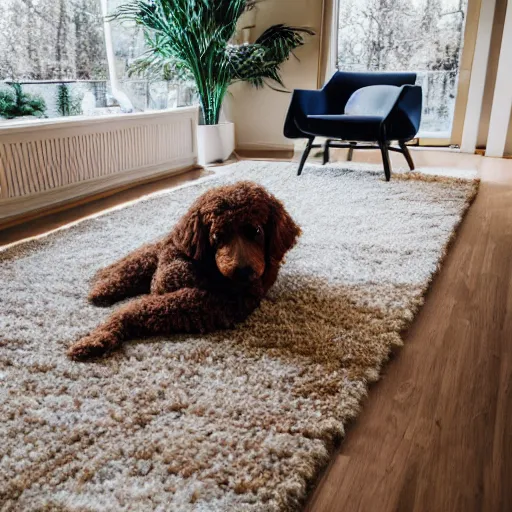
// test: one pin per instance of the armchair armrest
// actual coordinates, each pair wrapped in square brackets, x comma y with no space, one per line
[303,103]
[404,118]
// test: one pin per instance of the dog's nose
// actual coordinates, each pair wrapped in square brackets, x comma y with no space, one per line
[243,273]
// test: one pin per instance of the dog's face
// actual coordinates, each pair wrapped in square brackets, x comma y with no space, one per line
[242,228]
[240,251]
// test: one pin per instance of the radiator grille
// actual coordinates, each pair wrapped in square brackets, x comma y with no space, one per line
[36,159]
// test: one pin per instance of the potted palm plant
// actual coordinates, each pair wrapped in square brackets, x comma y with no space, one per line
[194,38]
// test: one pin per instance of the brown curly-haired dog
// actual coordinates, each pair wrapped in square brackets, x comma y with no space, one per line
[209,273]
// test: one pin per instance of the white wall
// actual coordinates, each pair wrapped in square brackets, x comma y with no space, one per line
[259,114]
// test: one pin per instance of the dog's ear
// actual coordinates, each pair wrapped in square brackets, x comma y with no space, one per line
[282,232]
[191,235]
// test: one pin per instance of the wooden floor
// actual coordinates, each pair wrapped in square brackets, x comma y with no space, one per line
[435,433]
[69,213]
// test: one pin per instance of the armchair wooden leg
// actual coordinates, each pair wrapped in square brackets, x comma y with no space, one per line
[407,155]
[350,152]
[305,155]
[326,152]
[385,159]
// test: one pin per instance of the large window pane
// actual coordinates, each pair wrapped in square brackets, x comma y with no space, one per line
[56,50]
[408,35]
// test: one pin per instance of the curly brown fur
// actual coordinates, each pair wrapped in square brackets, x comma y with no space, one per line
[209,273]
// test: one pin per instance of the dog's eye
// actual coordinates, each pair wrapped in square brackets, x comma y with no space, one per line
[252,231]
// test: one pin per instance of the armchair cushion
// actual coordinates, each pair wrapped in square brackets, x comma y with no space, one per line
[347,127]
[373,100]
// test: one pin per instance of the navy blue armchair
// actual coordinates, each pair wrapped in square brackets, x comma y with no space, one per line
[358,107]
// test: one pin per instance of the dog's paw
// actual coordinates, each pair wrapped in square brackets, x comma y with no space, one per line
[94,345]
[100,297]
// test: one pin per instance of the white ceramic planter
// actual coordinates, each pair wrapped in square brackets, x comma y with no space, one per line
[215,143]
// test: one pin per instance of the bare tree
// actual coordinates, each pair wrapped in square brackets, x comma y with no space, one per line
[61,39]
[90,54]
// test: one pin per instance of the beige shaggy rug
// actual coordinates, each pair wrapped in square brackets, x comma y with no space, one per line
[239,420]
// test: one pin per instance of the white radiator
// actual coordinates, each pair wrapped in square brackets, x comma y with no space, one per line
[44,163]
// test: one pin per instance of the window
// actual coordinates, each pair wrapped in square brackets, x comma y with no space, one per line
[425,36]
[56,50]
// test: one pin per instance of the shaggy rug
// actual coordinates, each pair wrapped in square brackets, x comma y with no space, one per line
[238,420]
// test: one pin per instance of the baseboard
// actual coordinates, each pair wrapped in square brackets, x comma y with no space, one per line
[268,146]
[24,209]
[265,151]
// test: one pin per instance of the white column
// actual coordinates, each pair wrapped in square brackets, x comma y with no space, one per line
[119,95]
[333,51]
[502,100]
[477,79]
